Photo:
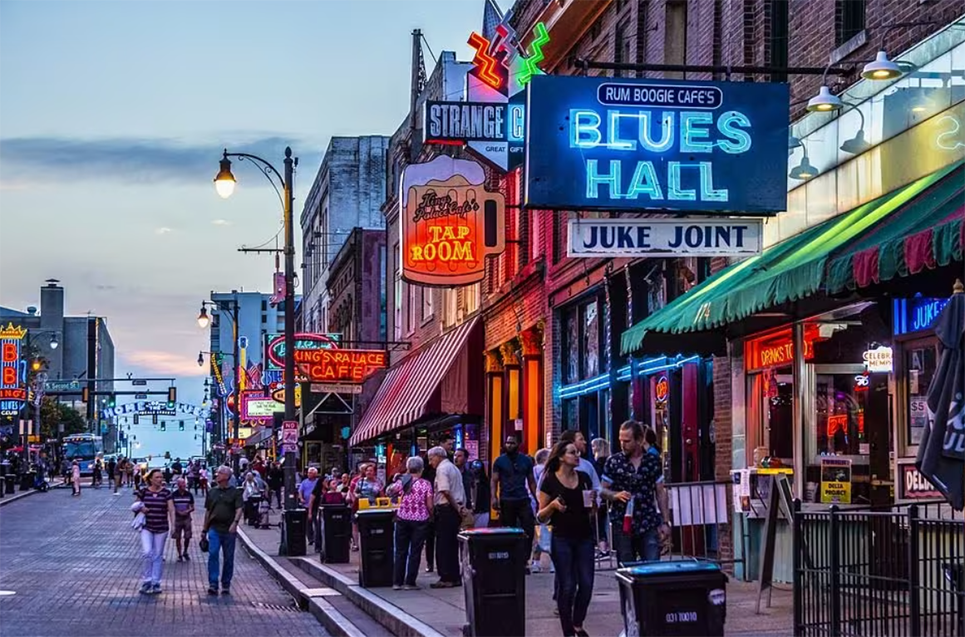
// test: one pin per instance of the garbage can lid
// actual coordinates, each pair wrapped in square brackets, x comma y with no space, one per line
[375,512]
[492,531]
[669,567]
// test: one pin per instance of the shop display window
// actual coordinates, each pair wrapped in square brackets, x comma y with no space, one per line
[921,359]
[572,346]
[591,340]
[840,410]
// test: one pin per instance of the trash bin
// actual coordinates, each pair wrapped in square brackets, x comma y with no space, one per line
[334,533]
[685,598]
[375,545]
[293,532]
[27,480]
[11,481]
[494,579]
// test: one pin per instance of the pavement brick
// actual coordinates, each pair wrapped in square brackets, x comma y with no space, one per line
[74,565]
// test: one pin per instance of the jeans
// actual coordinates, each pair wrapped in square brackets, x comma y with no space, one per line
[573,559]
[430,544]
[152,553]
[635,548]
[447,546]
[518,513]
[409,538]
[221,542]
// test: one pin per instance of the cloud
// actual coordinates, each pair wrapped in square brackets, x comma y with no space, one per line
[166,363]
[220,222]
[163,230]
[134,160]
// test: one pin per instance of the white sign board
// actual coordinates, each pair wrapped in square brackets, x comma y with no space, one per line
[879,360]
[289,432]
[664,237]
[330,388]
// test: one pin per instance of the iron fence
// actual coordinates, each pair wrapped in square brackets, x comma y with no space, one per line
[703,520]
[895,572]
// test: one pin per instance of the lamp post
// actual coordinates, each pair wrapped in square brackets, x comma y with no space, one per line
[203,321]
[225,184]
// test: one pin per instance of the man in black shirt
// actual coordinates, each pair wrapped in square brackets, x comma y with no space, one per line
[461,460]
[224,507]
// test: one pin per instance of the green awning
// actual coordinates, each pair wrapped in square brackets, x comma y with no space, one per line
[799,267]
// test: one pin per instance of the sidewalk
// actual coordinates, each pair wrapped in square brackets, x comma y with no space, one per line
[444,609]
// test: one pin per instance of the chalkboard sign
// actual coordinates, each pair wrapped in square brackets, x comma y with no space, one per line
[780,500]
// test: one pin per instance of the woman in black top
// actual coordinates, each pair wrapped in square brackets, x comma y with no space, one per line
[562,504]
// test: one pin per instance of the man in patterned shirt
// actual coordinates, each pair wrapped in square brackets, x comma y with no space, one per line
[637,475]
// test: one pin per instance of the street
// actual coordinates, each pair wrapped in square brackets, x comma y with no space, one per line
[74,565]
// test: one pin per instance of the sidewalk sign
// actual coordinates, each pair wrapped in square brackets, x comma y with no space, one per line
[835,480]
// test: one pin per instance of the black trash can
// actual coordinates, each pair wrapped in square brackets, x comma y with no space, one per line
[685,598]
[11,481]
[293,531]
[334,533]
[494,579]
[375,545]
[27,480]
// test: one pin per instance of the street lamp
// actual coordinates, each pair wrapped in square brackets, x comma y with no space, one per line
[225,184]
[203,321]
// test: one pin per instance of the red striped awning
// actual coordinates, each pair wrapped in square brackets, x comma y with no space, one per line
[402,397]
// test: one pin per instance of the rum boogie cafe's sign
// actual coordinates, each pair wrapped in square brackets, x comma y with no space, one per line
[664,237]
[626,144]
[450,223]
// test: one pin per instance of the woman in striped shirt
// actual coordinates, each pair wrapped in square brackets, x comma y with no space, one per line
[158,512]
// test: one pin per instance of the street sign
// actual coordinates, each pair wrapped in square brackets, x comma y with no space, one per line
[329,388]
[63,386]
[139,383]
[289,432]
[140,396]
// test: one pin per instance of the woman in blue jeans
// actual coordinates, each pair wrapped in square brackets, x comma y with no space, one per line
[567,502]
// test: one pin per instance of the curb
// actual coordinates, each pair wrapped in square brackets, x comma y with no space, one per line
[308,599]
[9,499]
[384,612]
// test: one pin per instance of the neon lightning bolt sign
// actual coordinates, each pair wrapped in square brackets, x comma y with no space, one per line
[483,61]
[530,63]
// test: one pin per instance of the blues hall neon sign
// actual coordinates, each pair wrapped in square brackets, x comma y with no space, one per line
[700,146]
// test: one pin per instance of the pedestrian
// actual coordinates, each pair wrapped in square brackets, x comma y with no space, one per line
[276,478]
[430,474]
[461,459]
[479,493]
[192,475]
[304,492]
[183,508]
[448,504]
[601,451]
[203,481]
[543,543]
[168,475]
[96,477]
[112,475]
[411,521]
[634,476]
[512,473]
[223,508]
[567,501]
[159,518]
[75,476]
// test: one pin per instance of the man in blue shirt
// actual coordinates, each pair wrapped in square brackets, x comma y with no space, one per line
[512,472]
[305,488]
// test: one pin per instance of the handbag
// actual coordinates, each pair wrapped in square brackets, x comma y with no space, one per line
[203,544]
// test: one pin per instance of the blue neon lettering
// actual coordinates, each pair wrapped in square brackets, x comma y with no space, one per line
[707,190]
[674,190]
[594,179]
[584,128]
[694,130]
[667,119]
[739,140]
[517,119]
[645,182]
[613,140]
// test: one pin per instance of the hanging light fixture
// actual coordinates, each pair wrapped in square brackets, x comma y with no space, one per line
[882,68]
[804,170]
[203,318]
[792,141]
[825,101]
[857,144]
[225,182]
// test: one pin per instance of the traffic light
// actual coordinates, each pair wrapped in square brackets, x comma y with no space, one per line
[164,426]
[172,396]
[85,395]
[181,426]
[112,401]
[136,419]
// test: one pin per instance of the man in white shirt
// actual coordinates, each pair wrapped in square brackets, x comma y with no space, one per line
[449,500]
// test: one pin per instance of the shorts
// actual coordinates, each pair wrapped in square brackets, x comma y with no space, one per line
[182,524]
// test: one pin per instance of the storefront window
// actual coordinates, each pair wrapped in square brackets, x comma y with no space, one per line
[840,410]
[572,362]
[921,358]
[571,418]
[591,340]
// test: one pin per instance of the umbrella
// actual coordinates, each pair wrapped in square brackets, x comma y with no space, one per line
[941,454]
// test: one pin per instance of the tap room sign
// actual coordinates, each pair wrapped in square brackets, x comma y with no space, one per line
[664,237]
[630,144]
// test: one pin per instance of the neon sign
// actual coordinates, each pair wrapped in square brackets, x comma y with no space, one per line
[450,223]
[257,407]
[13,371]
[275,347]
[339,365]
[484,62]
[632,144]
[536,56]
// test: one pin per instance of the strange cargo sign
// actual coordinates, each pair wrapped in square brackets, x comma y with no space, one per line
[625,144]
[450,223]
[663,237]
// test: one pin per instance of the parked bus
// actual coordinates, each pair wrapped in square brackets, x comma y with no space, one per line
[85,448]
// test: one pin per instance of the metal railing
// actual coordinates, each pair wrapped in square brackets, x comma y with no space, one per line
[703,520]
[898,571]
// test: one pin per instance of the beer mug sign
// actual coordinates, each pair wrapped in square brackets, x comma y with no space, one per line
[450,222]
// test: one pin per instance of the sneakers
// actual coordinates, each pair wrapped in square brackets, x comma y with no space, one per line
[535,567]
[145,588]
[396,587]
[442,584]
[410,587]
[212,590]
[429,568]
[186,557]
[226,591]
[180,558]
[156,589]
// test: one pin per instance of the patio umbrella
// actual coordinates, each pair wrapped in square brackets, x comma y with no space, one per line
[941,454]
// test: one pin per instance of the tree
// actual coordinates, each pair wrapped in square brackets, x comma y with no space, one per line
[54,413]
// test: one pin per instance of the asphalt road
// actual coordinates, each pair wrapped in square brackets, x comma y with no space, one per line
[73,565]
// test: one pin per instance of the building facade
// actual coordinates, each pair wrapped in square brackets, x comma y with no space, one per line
[347,193]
